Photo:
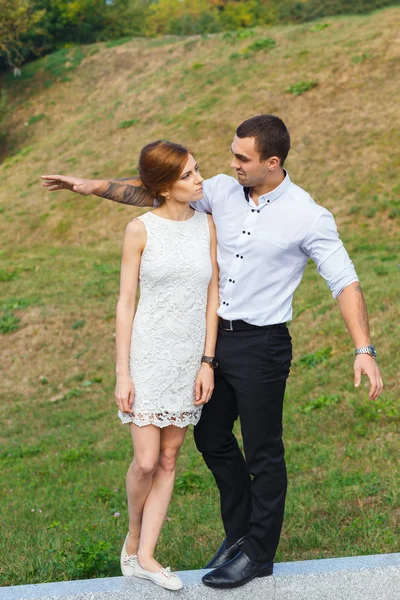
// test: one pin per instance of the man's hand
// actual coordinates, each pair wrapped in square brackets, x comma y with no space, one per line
[53,183]
[366,365]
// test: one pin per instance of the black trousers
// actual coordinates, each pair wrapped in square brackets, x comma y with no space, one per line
[249,383]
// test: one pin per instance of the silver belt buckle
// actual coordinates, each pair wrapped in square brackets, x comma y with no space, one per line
[230,326]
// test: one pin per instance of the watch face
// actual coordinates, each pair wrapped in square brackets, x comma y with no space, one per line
[210,361]
[372,351]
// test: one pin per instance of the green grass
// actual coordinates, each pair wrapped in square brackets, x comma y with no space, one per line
[318,27]
[35,119]
[129,123]
[49,69]
[299,88]
[119,42]
[263,44]
[9,322]
[360,58]
[232,36]
[63,475]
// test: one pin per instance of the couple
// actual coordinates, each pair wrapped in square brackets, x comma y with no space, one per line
[206,354]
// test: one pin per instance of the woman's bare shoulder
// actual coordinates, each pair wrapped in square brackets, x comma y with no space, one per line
[135,226]
[135,233]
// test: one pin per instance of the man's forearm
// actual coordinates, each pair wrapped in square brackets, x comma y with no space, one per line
[130,192]
[127,180]
[354,312]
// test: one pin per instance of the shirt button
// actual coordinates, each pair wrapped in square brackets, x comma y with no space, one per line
[252,210]
[224,303]
[237,255]
[268,201]
[248,233]
[233,281]
[241,257]
[258,211]
[243,231]
[227,303]
[230,280]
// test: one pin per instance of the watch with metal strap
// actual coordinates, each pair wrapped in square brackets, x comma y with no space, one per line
[366,350]
[210,360]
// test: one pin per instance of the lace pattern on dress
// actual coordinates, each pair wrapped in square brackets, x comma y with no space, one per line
[163,419]
[169,327]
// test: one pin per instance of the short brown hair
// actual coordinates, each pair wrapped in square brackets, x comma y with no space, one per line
[270,133]
[160,165]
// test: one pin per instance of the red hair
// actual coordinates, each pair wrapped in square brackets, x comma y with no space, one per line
[160,165]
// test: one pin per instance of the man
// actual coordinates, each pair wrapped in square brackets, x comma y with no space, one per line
[267,228]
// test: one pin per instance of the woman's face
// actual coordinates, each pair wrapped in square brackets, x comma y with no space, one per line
[189,186]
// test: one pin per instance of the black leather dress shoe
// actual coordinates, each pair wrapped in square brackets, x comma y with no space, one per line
[238,571]
[225,552]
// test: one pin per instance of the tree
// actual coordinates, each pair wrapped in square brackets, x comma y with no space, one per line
[17,19]
[181,17]
[88,21]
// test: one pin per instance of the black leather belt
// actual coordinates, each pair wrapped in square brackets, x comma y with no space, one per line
[243,326]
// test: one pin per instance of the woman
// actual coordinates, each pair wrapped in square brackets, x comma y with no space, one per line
[162,382]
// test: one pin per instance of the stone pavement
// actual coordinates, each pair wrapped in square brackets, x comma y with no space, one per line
[375,577]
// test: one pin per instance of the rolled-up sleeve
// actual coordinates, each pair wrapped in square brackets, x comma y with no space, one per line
[324,246]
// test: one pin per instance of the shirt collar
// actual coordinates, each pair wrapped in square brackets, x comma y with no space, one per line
[273,194]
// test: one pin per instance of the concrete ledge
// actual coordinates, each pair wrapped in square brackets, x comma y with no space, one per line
[375,577]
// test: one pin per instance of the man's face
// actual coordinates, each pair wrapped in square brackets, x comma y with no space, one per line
[246,162]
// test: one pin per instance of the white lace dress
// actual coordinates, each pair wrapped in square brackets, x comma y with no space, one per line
[169,327]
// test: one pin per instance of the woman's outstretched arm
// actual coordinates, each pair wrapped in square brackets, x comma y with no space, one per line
[124,191]
[134,243]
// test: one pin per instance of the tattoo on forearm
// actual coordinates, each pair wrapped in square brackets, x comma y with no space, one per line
[123,179]
[135,195]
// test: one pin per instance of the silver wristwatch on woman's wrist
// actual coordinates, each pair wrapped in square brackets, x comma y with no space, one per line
[366,350]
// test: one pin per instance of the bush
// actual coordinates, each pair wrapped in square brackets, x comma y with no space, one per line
[93,558]
[300,87]
[9,323]
[265,44]
[35,119]
[129,123]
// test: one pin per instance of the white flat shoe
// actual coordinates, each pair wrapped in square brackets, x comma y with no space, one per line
[127,562]
[164,577]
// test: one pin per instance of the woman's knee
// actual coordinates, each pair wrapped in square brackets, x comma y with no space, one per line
[144,466]
[168,458]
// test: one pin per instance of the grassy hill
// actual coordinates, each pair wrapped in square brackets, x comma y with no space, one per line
[88,111]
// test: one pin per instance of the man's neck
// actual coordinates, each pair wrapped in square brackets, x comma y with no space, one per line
[267,186]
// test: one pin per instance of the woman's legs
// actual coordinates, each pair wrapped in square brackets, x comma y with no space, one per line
[158,499]
[139,478]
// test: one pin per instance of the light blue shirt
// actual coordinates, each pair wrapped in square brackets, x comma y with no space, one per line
[263,250]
